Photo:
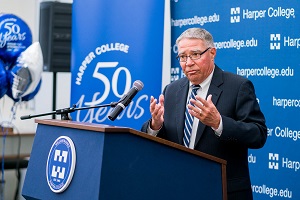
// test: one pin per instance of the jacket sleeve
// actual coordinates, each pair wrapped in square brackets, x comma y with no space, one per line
[248,126]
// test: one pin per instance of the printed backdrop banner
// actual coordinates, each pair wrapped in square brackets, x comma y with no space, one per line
[115,43]
[259,40]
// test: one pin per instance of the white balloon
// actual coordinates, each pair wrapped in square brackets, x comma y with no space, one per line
[32,58]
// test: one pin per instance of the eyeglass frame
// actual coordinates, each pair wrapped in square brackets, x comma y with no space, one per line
[200,54]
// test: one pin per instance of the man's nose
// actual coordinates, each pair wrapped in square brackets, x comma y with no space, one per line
[189,61]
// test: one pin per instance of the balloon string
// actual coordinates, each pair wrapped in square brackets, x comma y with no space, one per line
[14,111]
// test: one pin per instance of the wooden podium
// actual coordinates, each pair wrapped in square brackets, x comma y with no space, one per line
[122,163]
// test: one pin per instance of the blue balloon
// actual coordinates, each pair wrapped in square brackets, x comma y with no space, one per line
[3,80]
[15,37]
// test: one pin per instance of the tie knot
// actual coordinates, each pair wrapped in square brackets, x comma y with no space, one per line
[195,87]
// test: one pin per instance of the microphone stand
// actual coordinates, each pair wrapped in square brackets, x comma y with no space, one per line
[64,113]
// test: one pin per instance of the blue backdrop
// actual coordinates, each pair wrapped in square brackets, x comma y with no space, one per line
[261,41]
[115,43]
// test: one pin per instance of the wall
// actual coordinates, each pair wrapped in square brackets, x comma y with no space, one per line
[29,12]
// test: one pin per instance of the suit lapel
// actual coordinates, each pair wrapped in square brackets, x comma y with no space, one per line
[215,91]
[181,95]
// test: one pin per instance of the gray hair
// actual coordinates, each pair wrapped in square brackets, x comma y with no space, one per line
[197,33]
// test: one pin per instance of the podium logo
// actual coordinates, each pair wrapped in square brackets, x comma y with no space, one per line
[273,161]
[235,15]
[275,42]
[61,164]
[57,171]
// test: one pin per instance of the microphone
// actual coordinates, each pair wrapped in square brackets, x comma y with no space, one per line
[126,99]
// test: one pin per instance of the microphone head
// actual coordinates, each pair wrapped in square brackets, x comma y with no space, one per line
[138,85]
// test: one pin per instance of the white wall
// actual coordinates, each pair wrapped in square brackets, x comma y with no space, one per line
[166,69]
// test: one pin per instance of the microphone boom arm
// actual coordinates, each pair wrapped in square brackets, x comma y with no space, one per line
[65,111]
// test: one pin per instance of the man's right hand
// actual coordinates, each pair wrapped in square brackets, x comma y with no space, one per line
[157,110]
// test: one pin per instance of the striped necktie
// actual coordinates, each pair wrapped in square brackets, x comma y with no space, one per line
[188,124]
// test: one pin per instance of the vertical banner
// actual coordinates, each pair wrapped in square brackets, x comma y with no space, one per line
[115,43]
[259,40]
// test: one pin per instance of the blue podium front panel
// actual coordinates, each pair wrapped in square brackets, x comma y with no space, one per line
[138,168]
[85,183]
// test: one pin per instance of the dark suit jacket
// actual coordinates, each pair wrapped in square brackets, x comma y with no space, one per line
[243,123]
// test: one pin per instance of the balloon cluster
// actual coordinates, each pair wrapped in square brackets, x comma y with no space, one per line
[21,61]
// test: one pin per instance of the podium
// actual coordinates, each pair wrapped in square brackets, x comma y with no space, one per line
[122,163]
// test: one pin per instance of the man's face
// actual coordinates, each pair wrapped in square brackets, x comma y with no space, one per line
[196,70]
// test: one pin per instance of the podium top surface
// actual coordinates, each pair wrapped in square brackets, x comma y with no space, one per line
[117,129]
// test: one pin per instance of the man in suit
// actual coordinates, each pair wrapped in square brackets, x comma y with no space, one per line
[227,119]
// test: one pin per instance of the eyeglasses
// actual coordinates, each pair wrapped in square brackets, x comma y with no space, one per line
[193,56]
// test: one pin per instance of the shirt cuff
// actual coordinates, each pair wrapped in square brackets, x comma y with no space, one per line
[152,132]
[219,130]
